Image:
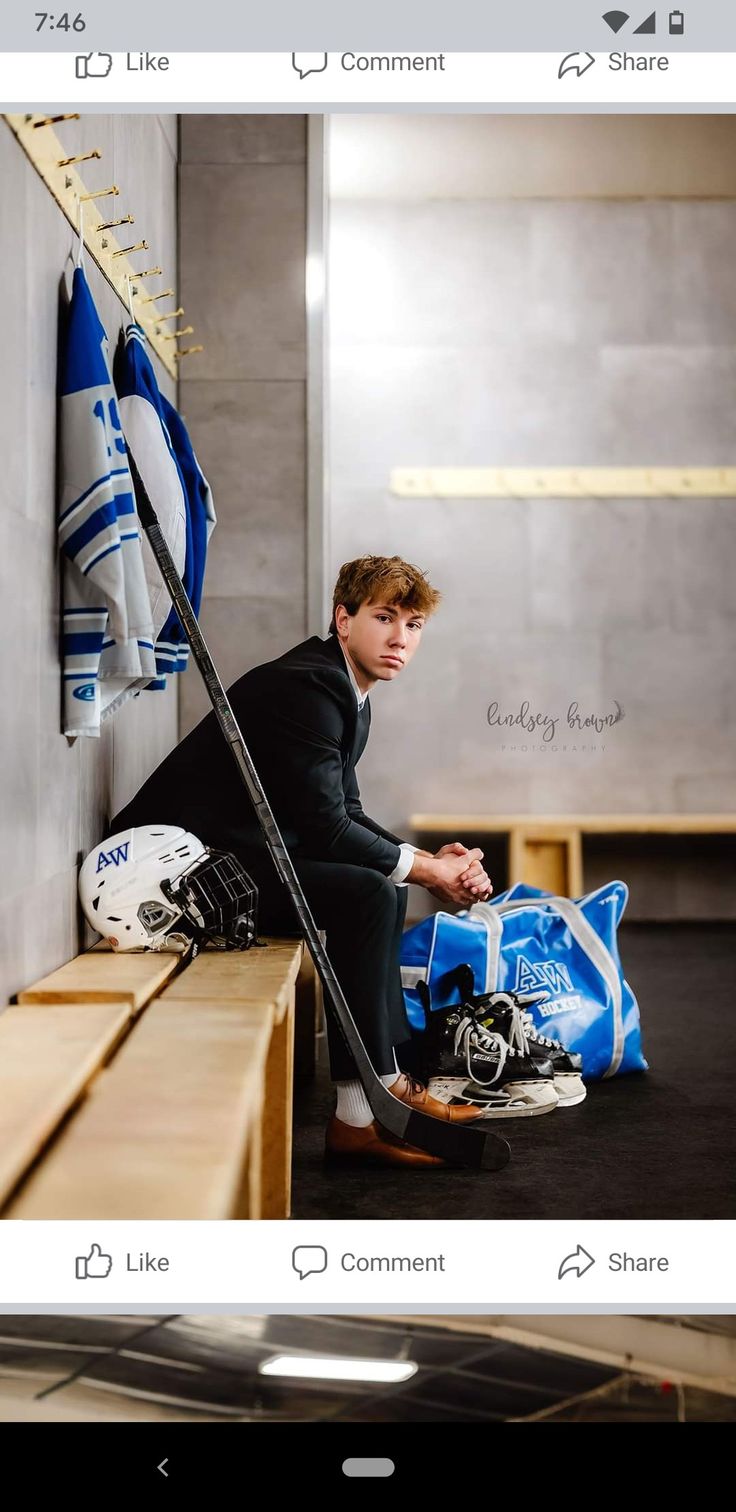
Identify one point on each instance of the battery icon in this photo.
(677, 23)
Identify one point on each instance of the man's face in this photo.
(380, 639)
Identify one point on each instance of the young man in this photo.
(305, 718)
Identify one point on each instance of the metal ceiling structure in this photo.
(164, 1368)
(685, 1350)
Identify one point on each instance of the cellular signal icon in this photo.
(616, 19)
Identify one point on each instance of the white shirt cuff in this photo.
(403, 865)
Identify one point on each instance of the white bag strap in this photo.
(490, 916)
(410, 975)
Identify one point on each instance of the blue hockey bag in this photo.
(529, 941)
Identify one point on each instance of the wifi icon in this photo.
(615, 19)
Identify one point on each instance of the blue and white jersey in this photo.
(201, 521)
(142, 416)
(107, 634)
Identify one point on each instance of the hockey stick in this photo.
(461, 1145)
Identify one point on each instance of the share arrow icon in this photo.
(579, 1262)
(577, 62)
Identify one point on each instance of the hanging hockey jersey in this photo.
(146, 432)
(107, 632)
(201, 521)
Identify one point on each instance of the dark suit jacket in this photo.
(300, 721)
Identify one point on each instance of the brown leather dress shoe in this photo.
(417, 1096)
(373, 1145)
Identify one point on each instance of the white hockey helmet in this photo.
(157, 887)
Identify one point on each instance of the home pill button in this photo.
(361, 1467)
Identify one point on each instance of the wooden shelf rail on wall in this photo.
(546, 850)
(55, 162)
(563, 482)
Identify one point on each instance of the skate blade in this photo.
(522, 1100)
(570, 1089)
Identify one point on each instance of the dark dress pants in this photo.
(363, 916)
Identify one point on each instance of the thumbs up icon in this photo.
(94, 1266)
(92, 65)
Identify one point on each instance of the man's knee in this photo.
(367, 888)
(343, 890)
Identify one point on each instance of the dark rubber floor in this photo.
(660, 1144)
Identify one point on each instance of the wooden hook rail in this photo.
(55, 164)
(563, 482)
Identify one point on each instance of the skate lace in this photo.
(517, 1040)
(470, 1036)
(533, 1033)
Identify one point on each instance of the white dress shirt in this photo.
(406, 859)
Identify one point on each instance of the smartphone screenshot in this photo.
(369, 753)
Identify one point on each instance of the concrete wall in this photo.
(58, 794)
(243, 244)
(471, 327)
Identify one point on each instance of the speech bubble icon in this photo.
(309, 1260)
(308, 63)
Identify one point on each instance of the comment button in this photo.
(309, 1260)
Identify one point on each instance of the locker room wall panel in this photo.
(243, 243)
(254, 438)
(14, 274)
(19, 730)
(56, 796)
(242, 231)
(558, 332)
(38, 925)
(243, 139)
(170, 127)
(241, 633)
(674, 400)
(151, 196)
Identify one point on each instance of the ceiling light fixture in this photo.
(336, 1368)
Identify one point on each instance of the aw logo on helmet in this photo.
(531, 975)
(112, 857)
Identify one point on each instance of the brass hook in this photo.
(170, 315)
(187, 351)
(73, 115)
(141, 246)
(145, 273)
(125, 220)
(99, 193)
(165, 294)
(173, 335)
(81, 157)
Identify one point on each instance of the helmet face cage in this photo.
(218, 901)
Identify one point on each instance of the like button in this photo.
(94, 1266)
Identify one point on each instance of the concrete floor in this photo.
(660, 1144)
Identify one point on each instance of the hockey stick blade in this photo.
(459, 1145)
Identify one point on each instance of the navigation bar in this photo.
(316, 81)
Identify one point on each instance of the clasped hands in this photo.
(454, 875)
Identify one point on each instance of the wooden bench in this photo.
(129, 1089)
(547, 851)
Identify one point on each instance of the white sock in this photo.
(353, 1106)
